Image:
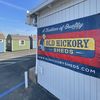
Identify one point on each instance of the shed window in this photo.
(1, 40)
(21, 42)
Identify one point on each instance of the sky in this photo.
(13, 16)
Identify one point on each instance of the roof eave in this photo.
(32, 14)
(40, 7)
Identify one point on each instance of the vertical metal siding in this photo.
(98, 6)
(64, 83)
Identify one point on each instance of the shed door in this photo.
(9, 45)
(1, 46)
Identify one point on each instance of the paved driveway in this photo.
(12, 73)
(9, 55)
(12, 81)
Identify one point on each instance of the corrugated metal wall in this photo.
(62, 82)
(75, 10)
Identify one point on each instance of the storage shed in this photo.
(33, 42)
(17, 42)
(68, 61)
(2, 43)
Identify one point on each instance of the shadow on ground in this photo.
(12, 74)
(34, 92)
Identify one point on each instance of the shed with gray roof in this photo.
(17, 42)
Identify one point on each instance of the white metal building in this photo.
(81, 81)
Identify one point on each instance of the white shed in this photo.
(68, 60)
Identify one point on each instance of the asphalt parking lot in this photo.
(12, 81)
(16, 54)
